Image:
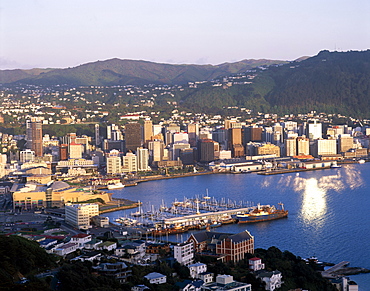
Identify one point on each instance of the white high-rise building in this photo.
(26, 156)
(142, 159)
(114, 163)
(79, 215)
(184, 253)
(325, 147)
(314, 130)
(129, 163)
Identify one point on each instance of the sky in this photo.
(61, 34)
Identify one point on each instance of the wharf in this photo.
(194, 220)
(284, 171)
(330, 273)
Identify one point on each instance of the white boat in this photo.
(115, 186)
(335, 166)
(361, 161)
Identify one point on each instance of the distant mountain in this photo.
(123, 72)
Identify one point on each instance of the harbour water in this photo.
(329, 210)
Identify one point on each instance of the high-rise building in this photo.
(63, 152)
(267, 149)
(156, 151)
(235, 142)
(34, 135)
(303, 146)
(133, 136)
(252, 134)
(314, 130)
(325, 147)
(345, 143)
(97, 134)
(142, 159)
(113, 161)
(193, 132)
(206, 150)
(129, 163)
(148, 131)
(75, 150)
(290, 147)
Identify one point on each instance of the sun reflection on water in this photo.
(314, 205)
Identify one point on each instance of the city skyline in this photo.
(59, 35)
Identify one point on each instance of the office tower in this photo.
(142, 159)
(193, 132)
(113, 161)
(129, 163)
(133, 136)
(63, 152)
(278, 136)
(75, 150)
(220, 135)
(156, 151)
(79, 215)
(325, 147)
(303, 146)
(235, 142)
(176, 148)
(97, 134)
(345, 143)
(148, 131)
(252, 134)
(206, 150)
(34, 135)
(314, 130)
(291, 147)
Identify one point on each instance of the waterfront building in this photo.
(266, 149)
(345, 143)
(324, 147)
(129, 163)
(290, 147)
(303, 145)
(133, 136)
(184, 253)
(226, 282)
(79, 215)
(229, 247)
(113, 161)
(206, 150)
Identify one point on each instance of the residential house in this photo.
(81, 239)
(118, 270)
(107, 245)
(255, 264)
(196, 269)
(188, 285)
(272, 279)
(156, 278)
(66, 249)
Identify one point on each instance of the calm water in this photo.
(328, 209)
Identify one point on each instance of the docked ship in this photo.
(262, 213)
(115, 186)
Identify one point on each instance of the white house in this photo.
(272, 279)
(255, 264)
(156, 278)
(66, 249)
(81, 239)
(196, 269)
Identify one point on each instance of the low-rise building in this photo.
(156, 278)
(79, 215)
(272, 279)
(255, 264)
(196, 269)
(226, 282)
(184, 253)
(118, 270)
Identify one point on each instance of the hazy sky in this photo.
(66, 33)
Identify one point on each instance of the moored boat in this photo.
(262, 213)
(115, 186)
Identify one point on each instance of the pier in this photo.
(199, 219)
(330, 273)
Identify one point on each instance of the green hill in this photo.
(123, 72)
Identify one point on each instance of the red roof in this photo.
(81, 235)
(255, 259)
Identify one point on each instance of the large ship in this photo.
(262, 213)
